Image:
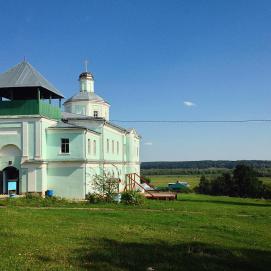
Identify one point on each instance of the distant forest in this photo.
(263, 167)
(205, 164)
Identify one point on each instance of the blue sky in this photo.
(149, 58)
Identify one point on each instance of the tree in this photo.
(246, 182)
(204, 186)
(223, 185)
(105, 186)
(243, 183)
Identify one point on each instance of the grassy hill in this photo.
(194, 233)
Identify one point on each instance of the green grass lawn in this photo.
(196, 232)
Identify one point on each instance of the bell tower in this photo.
(25, 92)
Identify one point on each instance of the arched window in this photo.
(10, 150)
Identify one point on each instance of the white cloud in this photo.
(189, 103)
(148, 143)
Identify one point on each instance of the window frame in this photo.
(95, 114)
(65, 145)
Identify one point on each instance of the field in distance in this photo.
(193, 180)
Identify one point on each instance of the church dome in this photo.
(85, 96)
(86, 75)
(86, 102)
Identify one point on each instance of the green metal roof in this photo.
(22, 82)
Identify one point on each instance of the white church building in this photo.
(43, 148)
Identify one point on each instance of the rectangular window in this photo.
(95, 114)
(137, 152)
(89, 146)
(118, 147)
(112, 146)
(94, 147)
(107, 145)
(65, 145)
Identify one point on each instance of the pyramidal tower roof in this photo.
(24, 80)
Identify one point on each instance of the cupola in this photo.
(86, 102)
(86, 80)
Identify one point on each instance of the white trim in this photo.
(65, 130)
(22, 118)
(67, 164)
(114, 130)
(33, 165)
(10, 125)
(25, 139)
(37, 140)
(8, 132)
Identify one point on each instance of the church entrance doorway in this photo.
(9, 181)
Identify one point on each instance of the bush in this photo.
(32, 195)
(35, 199)
(132, 198)
(94, 198)
(55, 200)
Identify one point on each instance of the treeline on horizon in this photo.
(262, 167)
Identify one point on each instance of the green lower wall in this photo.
(29, 107)
(66, 182)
